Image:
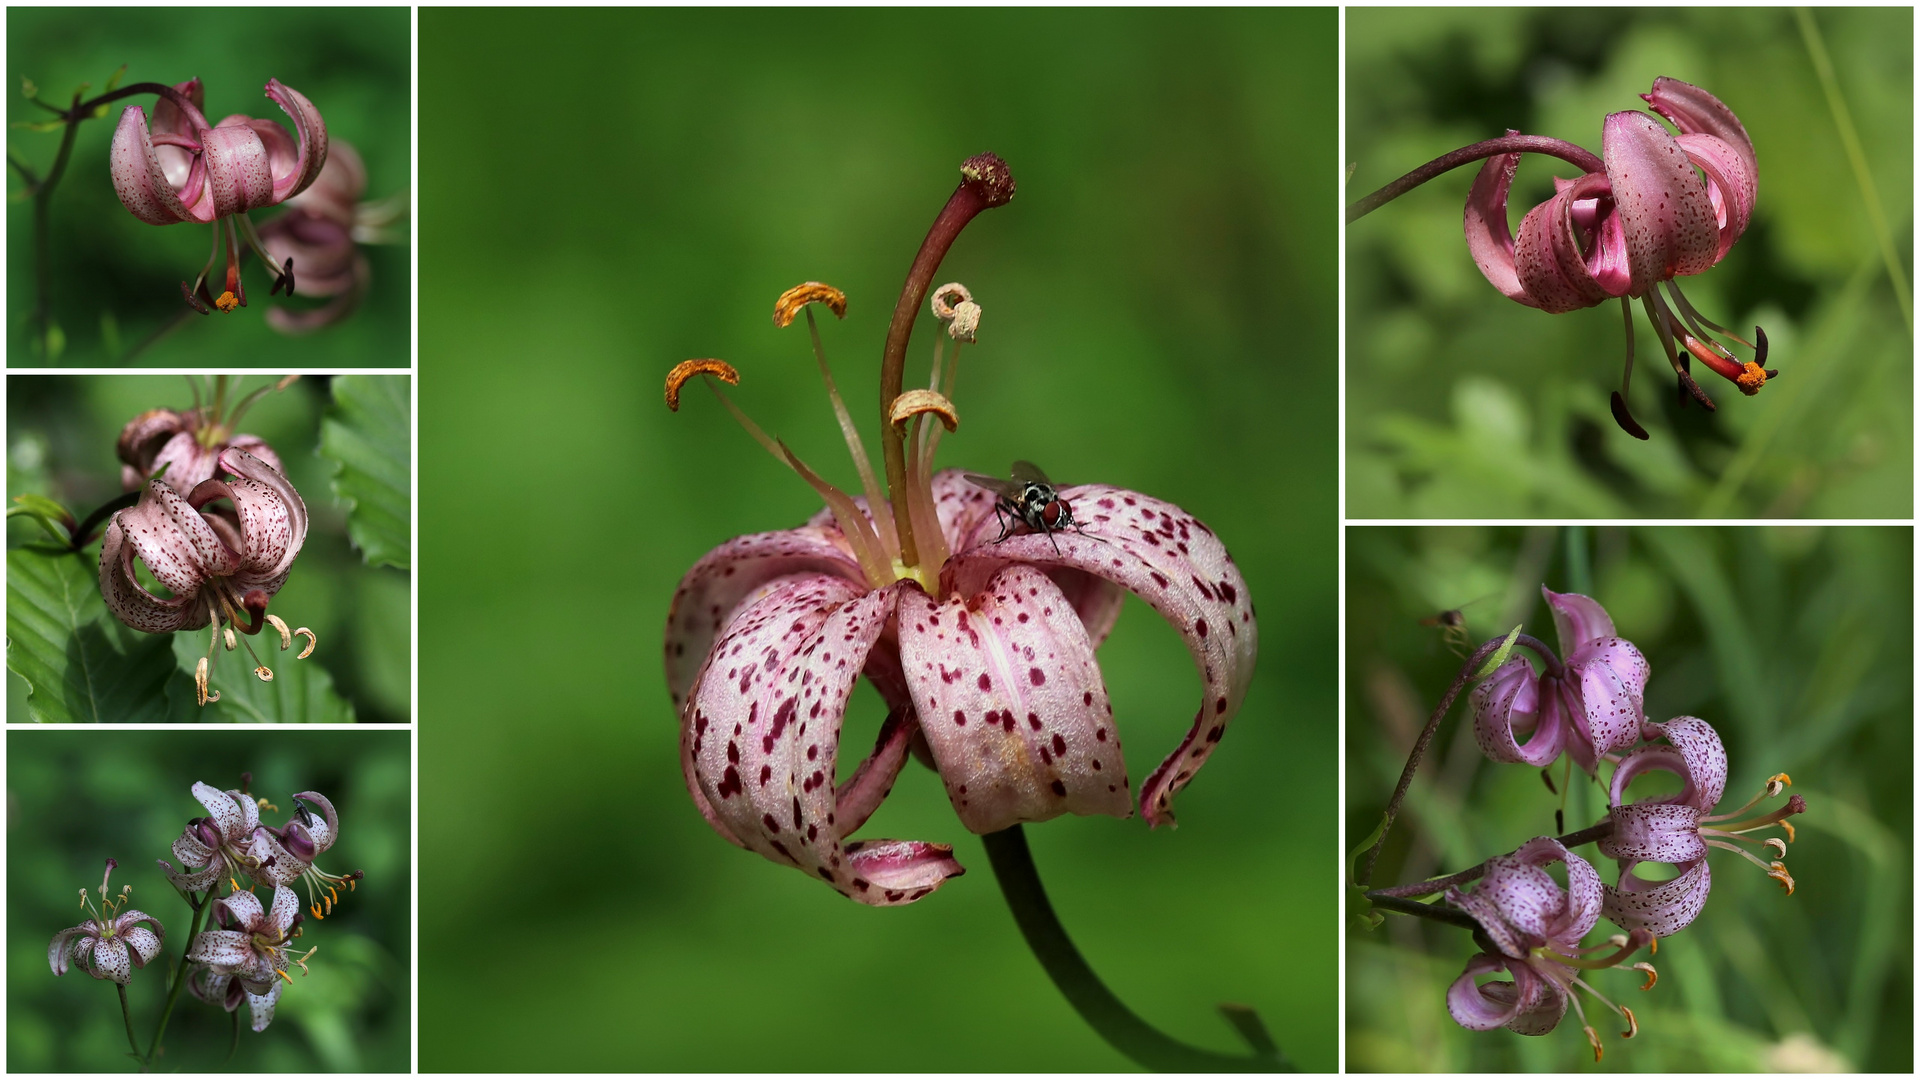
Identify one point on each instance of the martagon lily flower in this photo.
(182, 446)
(111, 943)
(253, 949)
(222, 564)
(983, 651)
(1678, 829)
(1534, 928)
(1589, 704)
(185, 169)
(321, 232)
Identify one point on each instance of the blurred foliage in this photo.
(1462, 403)
(1161, 281)
(115, 278)
(1797, 645)
(61, 434)
(77, 798)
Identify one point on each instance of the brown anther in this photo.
(1779, 874)
(200, 683)
(1593, 1038)
(1689, 387)
(687, 369)
(1652, 975)
(1778, 845)
(286, 636)
(264, 673)
(914, 402)
(794, 300)
(1752, 378)
(312, 640)
(227, 302)
(948, 297)
(194, 301)
(1633, 1026)
(227, 635)
(965, 327)
(1625, 419)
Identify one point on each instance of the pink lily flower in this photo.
(1625, 230)
(322, 231)
(185, 169)
(187, 444)
(982, 648)
(1588, 705)
(1678, 829)
(252, 948)
(222, 564)
(1535, 928)
(111, 943)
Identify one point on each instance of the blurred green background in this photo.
(1796, 644)
(1462, 403)
(61, 432)
(1162, 281)
(116, 279)
(77, 798)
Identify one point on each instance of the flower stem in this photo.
(1106, 1014)
(1433, 885)
(83, 533)
(180, 973)
(43, 235)
(1577, 156)
(985, 183)
(128, 1017)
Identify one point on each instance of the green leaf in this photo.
(28, 90)
(114, 79)
(301, 691)
(79, 663)
(1499, 655)
(366, 433)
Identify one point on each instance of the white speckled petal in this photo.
(1011, 702)
(61, 949)
(261, 1005)
(900, 871)
(243, 908)
(229, 949)
(144, 943)
(285, 908)
(196, 880)
(326, 827)
(227, 814)
(110, 961)
(1159, 553)
(1662, 907)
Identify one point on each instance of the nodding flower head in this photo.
(110, 943)
(1532, 928)
(1589, 703)
(321, 233)
(252, 947)
(181, 447)
(232, 843)
(1662, 206)
(1678, 829)
(221, 563)
(982, 645)
(184, 169)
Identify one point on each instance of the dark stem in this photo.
(180, 318)
(1106, 1014)
(200, 907)
(1437, 911)
(80, 111)
(985, 183)
(234, 1046)
(83, 533)
(128, 1017)
(1466, 155)
(43, 234)
(1433, 885)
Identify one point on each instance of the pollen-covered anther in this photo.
(286, 636)
(200, 691)
(227, 302)
(1776, 782)
(1778, 872)
(914, 402)
(965, 326)
(687, 369)
(1633, 1026)
(794, 300)
(1593, 1039)
(947, 299)
(227, 635)
(1652, 975)
(1777, 845)
(264, 673)
(312, 642)
(1752, 378)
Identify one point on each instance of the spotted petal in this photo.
(1506, 705)
(1731, 165)
(1530, 1004)
(272, 518)
(1655, 832)
(1612, 676)
(61, 949)
(1662, 907)
(1671, 227)
(1011, 702)
(323, 829)
(260, 1006)
(1159, 553)
(1693, 753)
(761, 735)
(1489, 237)
(144, 943)
(140, 179)
(195, 880)
(1577, 620)
(228, 814)
(110, 961)
(173, 541)
(1552, 255)
(228, 949)
(296, 163)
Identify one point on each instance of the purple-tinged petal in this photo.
(284, 910)
(1577, 620)
(311, 147)
(722, 581)
(1485, 911)
(1694, 111)
(229, 949)
(1507, 704)
(275, 865)
(1011, 702)
(1694, 754)
(1655, 832)
(64, 944)
(1611, 698)
(190, 851)
(1662, 907)
(1549, 256)
(1729, 187)
(225, 811)
(857, 799)
(242, 908)
(144, 943)
(1542, 1002)
(1583, 894)
(1525, 895)
(273, 517)
(899, 871)
(238, 174)
(326, 828)
(1530, 1004)
(110, 961)
(1489, 237)
(138, 177)
(1670, 224)
(1171, 560)
(261, 1005)
(194, 881)
(130, 601)
(170, 119)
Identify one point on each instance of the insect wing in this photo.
(1026, 472)
(1006, 489)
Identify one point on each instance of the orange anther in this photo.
(687, 369)
(788, 307)
(1652, 975)
(1633, 1026)
(227, 302)
(914, 402)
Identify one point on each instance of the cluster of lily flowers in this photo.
(247, 952)
(1589, 706)
(216, 524)
(179, 168)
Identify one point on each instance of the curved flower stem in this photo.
(1106, 1014)
(1420, 745)
(1402, 893)
(43, 233)
(1579, 157)
(200, 907)
(128, 1017)
(985, 183)
(83, 533)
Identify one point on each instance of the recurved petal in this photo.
(241, 909)
(279, 515)
(224, 811)
(1662, 907)
(311, 144)
(110, 961)
(175, 542)
(861, 794)
(229, 949)
(1548, 257)
(1730, 187)
(326, 827)
(276, 865)
(129, 601)
(1163, 555)
(1655, 832)
(238, 173)
(261, 1005)
(714, 590)
(138, 177)
(1611, 702)
(1525, 895)
(194, 881)
(1506, 705)
(1693, 110)
(1011, 702)
(1489, 237)
(61, 949)
(1529, 1004)
(1669, 220)
(1479, 905)
(1704, 757)
(1577, 620)
(144, 943)
(285, 908)
(899, 871)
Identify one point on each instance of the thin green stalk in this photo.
(1123, 1029)
(128, 1017)
(200, 908)
(1857, 158)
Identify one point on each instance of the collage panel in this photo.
(263, 873)
(209, 193)
(1559, 356)
(1698, 734)
(1130, 318)
(209, 549)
